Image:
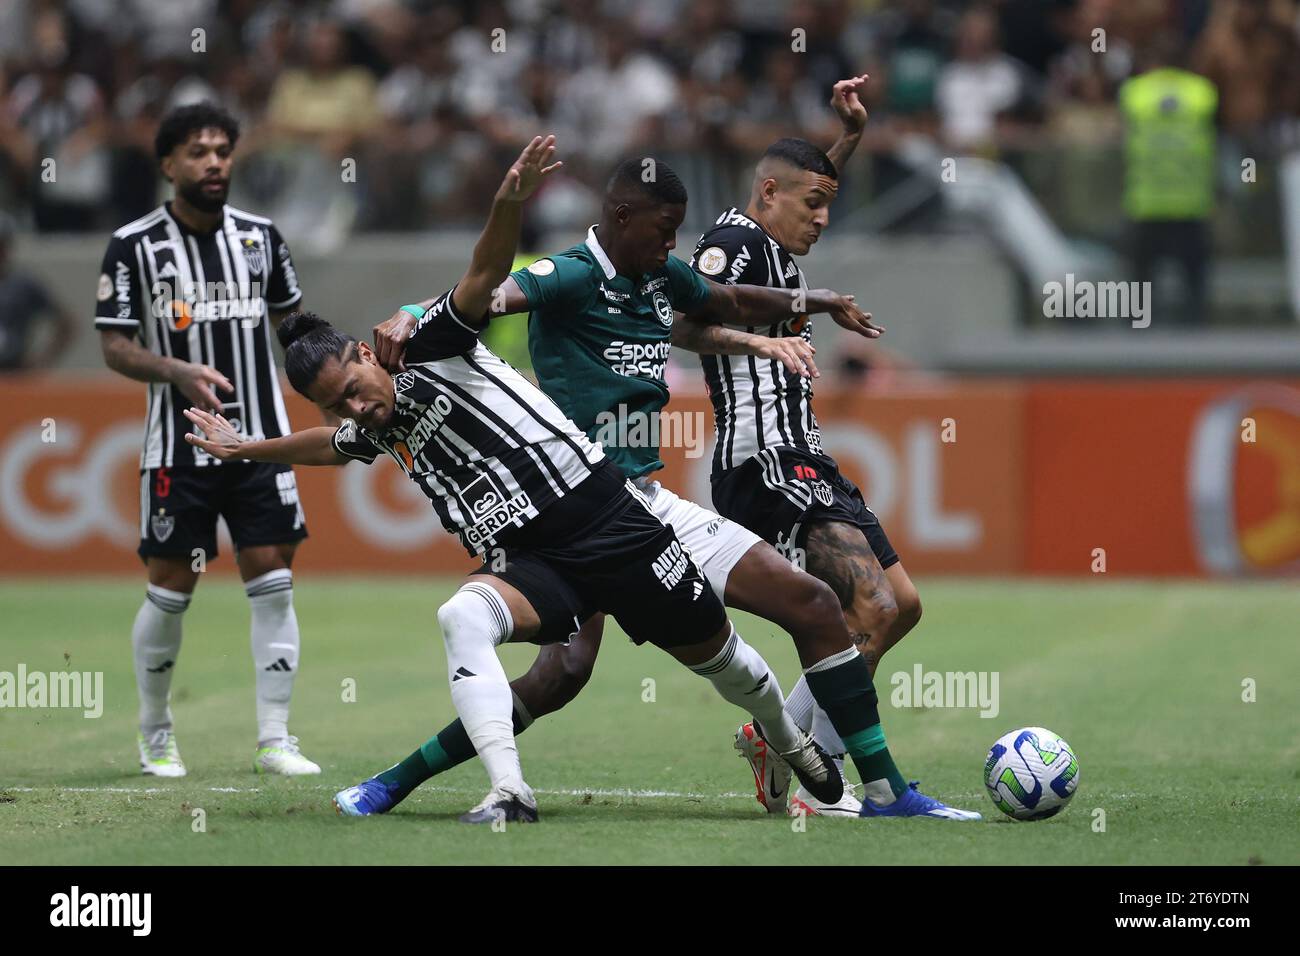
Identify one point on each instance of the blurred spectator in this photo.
(55, 133)
(978, 87)
(613, 104)
(1169, 174)
(325, 102)
(1254, 61)
(24, 304)
(783, 102)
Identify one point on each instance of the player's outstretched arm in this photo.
(312, 446)
(707, 338)
(760, 305)
(485, 287)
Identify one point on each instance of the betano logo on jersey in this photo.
(1244, 482)
(638, 359)
(189, 302)
(428, 425)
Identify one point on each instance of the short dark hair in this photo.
(802, 154)
(308, 342)
(663, 187)
(180, 122)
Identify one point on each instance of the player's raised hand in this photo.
(794, 353)
(220, 440)
(390, 340)
(533, 165)
(848, 105)
(847, 315)
(197, 383)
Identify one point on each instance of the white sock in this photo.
(743, 678)
(155, 645)
(824, 732)
(799, 705)
(474, 621)
(274, 639)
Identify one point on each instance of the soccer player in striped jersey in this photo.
(770, 472)
(186, 301)
(601, 322)
(562, 532)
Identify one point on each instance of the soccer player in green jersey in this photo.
(601, 323)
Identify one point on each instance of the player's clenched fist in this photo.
(390, 339)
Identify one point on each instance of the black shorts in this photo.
(779, 492)
(259, 501)
(630, 565)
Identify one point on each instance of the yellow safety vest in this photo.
(1169, 147)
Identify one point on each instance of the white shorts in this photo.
(716, 544)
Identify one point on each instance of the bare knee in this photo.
(814, 608)
(546, 689)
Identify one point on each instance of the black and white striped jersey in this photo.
(201, 298)
(757, 403)
(486, 445)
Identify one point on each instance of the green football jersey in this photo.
(599, 342)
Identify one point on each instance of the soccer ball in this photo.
(1031, 773)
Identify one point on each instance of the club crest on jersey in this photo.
(663, 309)
(712, 261)
(822, 492)
(255, 256)
(403, 380)
(162, 524)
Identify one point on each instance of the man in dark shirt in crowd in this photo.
(24, 303)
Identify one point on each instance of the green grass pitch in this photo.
(1143, 679)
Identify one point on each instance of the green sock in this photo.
(449, 748)
(842, 686)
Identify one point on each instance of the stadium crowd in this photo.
(425, 98)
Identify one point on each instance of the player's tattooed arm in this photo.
(849, 108)
(125, 355)
(312, 446)
(708, 338)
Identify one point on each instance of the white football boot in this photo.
(803, 802)
(283, 757)
(159, 755)
(771, 773)
(504, 806)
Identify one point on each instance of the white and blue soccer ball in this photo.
(1031, 773)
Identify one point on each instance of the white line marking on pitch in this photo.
(645, 794)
